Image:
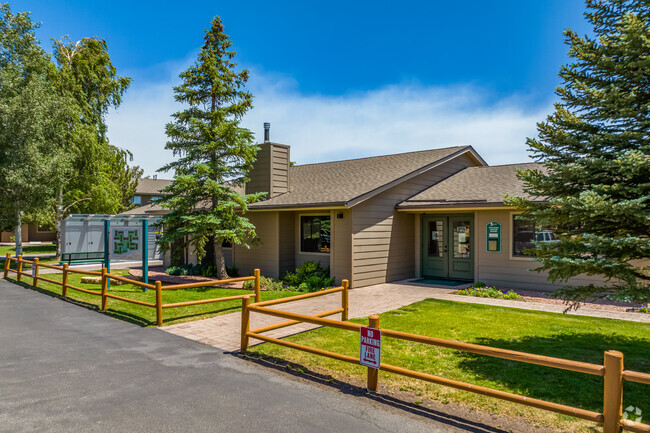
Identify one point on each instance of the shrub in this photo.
(310, 277)
(209, 271)
(479, 285)
(265, 284)
(489, 292)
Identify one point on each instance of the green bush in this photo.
(208, 271)
(265, 284)
(310, 277)
(489, 292)
(479, 285)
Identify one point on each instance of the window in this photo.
(136, 199)
(315, 234)
(156, 198)
(525, 232)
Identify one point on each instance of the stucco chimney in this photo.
(270, 172)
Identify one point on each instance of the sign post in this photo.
(145, 252)
(371, 351)
(107, 255)
(493, 237)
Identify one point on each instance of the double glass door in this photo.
(447, 248)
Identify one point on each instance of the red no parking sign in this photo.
(370, 347)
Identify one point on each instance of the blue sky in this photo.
(340, 80)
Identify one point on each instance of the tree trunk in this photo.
(222, 273)
(58, 217)
(18, 235)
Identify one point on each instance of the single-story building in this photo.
(432, 214)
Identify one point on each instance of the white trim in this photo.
(369, 195)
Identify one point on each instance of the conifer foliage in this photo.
(215, 154)
(596, 153)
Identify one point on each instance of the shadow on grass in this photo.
(127, 317)
(123, 315)
(297, 370)
(561, 386)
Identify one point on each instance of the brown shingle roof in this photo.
(151, 186)
(340, 182)
(479, 186)
(147, 209)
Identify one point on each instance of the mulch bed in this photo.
(157, 273)
(596, 304)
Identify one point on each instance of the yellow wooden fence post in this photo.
(35, 272)
(64, 285)
(19, 268)
(7, 264)
(258, 296)
(345, 300)
(159, 316)
(104, 289)
(613, 398)
(245, 323)
(373, 373)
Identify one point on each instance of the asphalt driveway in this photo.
(64, 368)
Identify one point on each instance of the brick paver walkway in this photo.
(224, 331)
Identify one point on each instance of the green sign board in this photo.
(493, 237)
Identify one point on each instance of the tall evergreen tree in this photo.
(596, 153)
(215, 154)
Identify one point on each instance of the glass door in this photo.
(447, 246)
(434, 247)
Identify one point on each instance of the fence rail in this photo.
(105, 295)
(612, 370)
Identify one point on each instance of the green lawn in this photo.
(29, 250)
(146, 316)
(570, 337)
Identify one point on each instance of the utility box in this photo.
(85, 234)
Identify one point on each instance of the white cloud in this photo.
(393, 119)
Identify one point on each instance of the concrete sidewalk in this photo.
(224, 331)
(68, 369)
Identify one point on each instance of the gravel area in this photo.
(597, 304)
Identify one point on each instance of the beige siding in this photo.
(270, 172)
(280, 170)
(260, 175)
(503, 270)
(287, 245)
(383, 240)
(341, 255)
(264, 254)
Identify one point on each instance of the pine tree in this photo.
(596, 153)
(215, 154)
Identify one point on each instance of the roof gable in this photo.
(473, 186)
(348, 182)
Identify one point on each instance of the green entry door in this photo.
(447, 246)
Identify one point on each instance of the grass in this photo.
(29, 250)
(146, 316)
(569, 337)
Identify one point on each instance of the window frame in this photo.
(299, 237)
